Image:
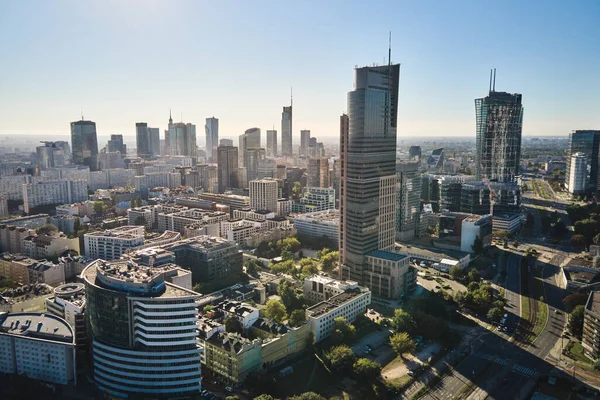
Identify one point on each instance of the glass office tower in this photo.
(84, 143)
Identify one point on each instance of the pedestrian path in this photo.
(523, 370)
(497, 360)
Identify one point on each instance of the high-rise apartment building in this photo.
(227, 167)
(53, 192)
(318, 172)
(577, 173)
(271, 143)
(84, 143)
(52, 154)
(212, 136)
(142, 329)
(408, 199)
(305, 142)
(286, 131)
(499, 118)
(115, 144)
(263, 194)
(182, 139)
(368, 168)
(588, 143)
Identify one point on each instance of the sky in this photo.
(124, 61)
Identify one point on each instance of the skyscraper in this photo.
(212, 136)
(248, 140)
(52, 154)
(368, 169)
(263, 194)
(154, 140)
(499, 118)
(588, 143)
(142, 140)
(305, 142)
(318, 172)
(227, 167)
(182, 139)
(286, 131)
(84, 143)
(408, 199)
(115, 144)
(272, 143)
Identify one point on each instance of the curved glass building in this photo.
(143, 331)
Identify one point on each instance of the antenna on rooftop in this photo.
(81, 112)
(390, 50)
(494, 79)
(490, 91)
(291, 96)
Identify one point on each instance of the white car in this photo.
(229, 389)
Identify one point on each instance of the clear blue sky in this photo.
(125, 61)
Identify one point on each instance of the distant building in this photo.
(415, 153)
(227, 159)
(53, 192)
(318, 224)
(408, 199)
(212, 136)
(84, 143)
(3, 205)
(314, 199)
(53, 154)
(318, 172)
(286, 132)
(436, 159)
(112, 244)
(591, 325)
(264, 194)
(182, 139)
(116, 145)
(304, 142)
(38, 346)
(272, 143)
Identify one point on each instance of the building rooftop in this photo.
(334, 302)
(324, 216)
(387, 255)
(593, 303)
(36, 325)
(123, 232)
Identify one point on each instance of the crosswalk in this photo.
(497, 360)
(523, 370)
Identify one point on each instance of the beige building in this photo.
(388, 274)
(43, 246)
(264, 194)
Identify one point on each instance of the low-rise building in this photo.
(319, 288)
(231, 357)
(26, 298)
(49, 245)
(318, 224)
(347, 305)
(112, 244)
(68, 303)
(314, 199)
(510, 222)
(244, 313)
(389, 274)
(39, 346)
(46, 272)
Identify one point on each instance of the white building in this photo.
(246, 314)
(319, 288)
(156, 179)
(577, 177)
(263, 194)
(53, 192)
(238, 230)
(12, 186)
(284, 207)
(315, 199)
(43, 246)
(112, 244)
(68, 303)
(473, 227)
(39, 346)
(3, 205)
(389, 274)
(318, 224)
(256, 215)
(348, 305)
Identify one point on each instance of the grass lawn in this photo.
(542, 318)
(525, 307)
(315, 378)
(577, 353)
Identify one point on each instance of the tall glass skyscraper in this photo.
(182, 139)
(588, 143)
(499, 125)
(212, 136)
(84, 143)
(286, 131)
(368, 168)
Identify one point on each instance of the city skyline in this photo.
(536, 55)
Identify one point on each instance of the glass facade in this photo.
(588, 143)
(499, 119)
(84, 143)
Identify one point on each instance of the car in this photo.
(372, 312)
(437, 286)
(229, 389)
(368, 347)
(411, 373)
(505, 316)
(505, 329)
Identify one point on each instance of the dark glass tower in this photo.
(227, 166)
(368, 168)
(588, 143)
(84, 143)
(499, 124)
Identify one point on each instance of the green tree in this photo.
(478, 247)
(597, 365)
(265, 397)
(474, 275)
(287, 255)
(48, 229)
(297, 318)
(576, 321)
(341, 358)
(366, 370)
(578, 241)
(251, 266)
(275, 310)
(402, 343)
(457, 273)
(99, 207)
(208, 308)
(232, 398)
(343, 332)
(284, 267)
(308, 396)
(403, 321)
(330, 261)
(232, 324)
(296, 190)
(495, 314)
(575, 299)
(289, 297)
(309, 267)
(76, 226)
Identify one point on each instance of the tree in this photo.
(76, 226)
(403, 321)
(575, 299)
(275, 310)
(140, 221)
(287, 255)
(309, 267)
(47, 229)
(474, 275)
(251, 266)
(232, 324)
(296, 190)
(208, 308)
(457, 273)
(576, 321)
(578, 241)
(477, 246)
(297, 318)
(341, 358)
(495, 314)
(100, 207)
(308, 396)
(366, 370)
(265, 397)
(284, 267)
(232, 398)
(330, 260)
(402, 343)
(288, 295)
(343, 332)
(597, 239)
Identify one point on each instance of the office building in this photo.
(286, 132)
(107, 161)
(272, 143)
(314, 199)
(151, 180)
(414, 153)
(3, 205)
(225, 142)
(368, 171)
(212, 137)
(319, 288)
(389, 275)
(115, 144)
(591, 325)
(435, 161)
(408, 199)
(182, 139)
(68, 303)
(112, 244)
(304, 142)
(318, 225)
(577, 174)
(348, 305)
(499, 119)
(38, 346)
(136, 350)
(84, 143)
(248, 140)
(318, 172)
(252, 160)
(473, 227)
(147, 141)
(53, 192)
(264, 194)
(588, 143)
(233, 201)
(52, 154)
(227, 162)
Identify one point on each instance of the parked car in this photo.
(411, 373)
(229, 389)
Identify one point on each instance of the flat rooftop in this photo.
(334, 302)
(37, 325)
(593, 303)
(387, 255)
